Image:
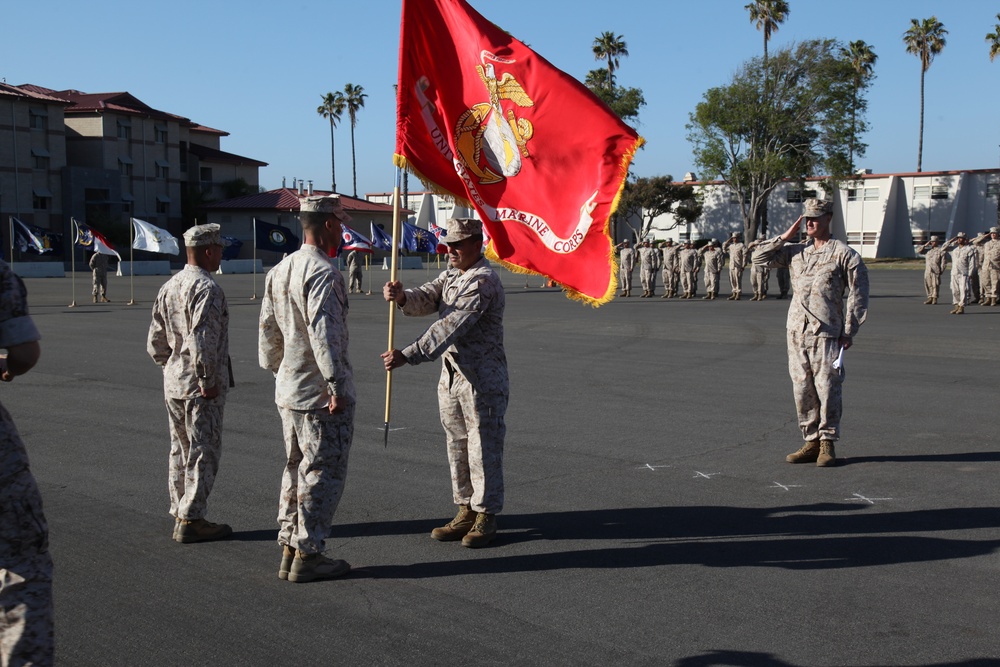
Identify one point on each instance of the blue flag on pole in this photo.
(29, 237)
(418, 239)
(380, 239)
(274, 237)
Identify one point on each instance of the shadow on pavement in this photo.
(805, 537)
(963, 457)
(751, 659)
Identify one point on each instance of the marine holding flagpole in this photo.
(469, 301)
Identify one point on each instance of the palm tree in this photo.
(924, 39)
(610, 47)
(994, 39)
(862, 59)
(768, 15)
(332, 108)
(354, 98)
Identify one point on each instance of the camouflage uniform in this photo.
(189, 337)
(988, 253)
(99, 266)
(714, 260)
(670, 271)
(936, 261)
(760, 274)
(626, 262)
(977, 277)
(473, 389)
(784, 282)
(26, 636)
(963, 266)
(687, 260)
(992, 261)
(816, 322)
(737, 264)
(354, 271)
(303, 341)
(649, 262)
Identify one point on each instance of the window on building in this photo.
(127, 204)
(184, 157)
(39, 158)
(921, 191)
(862, 194)
(162, 169)
(41, 200)
(125, 166)
(992, 189)
(799, 196)
(939, 192)
(39, 119)
(124, 130)
(206, 174)
(160, 134)
(162, 204)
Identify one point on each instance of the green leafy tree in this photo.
(625, 102)
(610, 47)
(331, 109)
(649, 198)
(354, 98)
(789, 121)
(768, 15)
(924, 39)
(994, 40)
(862, 59)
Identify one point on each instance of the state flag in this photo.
(274, 237)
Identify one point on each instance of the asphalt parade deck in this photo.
(650, 518)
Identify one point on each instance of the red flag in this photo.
(485, 119)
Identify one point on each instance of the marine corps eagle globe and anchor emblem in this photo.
(491, 139)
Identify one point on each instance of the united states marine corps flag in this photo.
(483, 118)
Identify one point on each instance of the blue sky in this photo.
(257, 69)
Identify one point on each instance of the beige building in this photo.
(879, 215)
(103, 158)
(32, 158)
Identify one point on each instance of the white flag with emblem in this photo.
(153, 239)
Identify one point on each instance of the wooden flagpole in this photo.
(393, 273)
(254, 260)
(131, 262)
(72, 258)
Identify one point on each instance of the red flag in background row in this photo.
(482, 117)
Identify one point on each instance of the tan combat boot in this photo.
(929, 301)
(199, 530)
(807, 454)
(993, 301)
(287, 556)
(934, 301)
(482, 533)
(960, 310)
(310, 567)
(459, 526)
(95, 298)
(826, 457)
